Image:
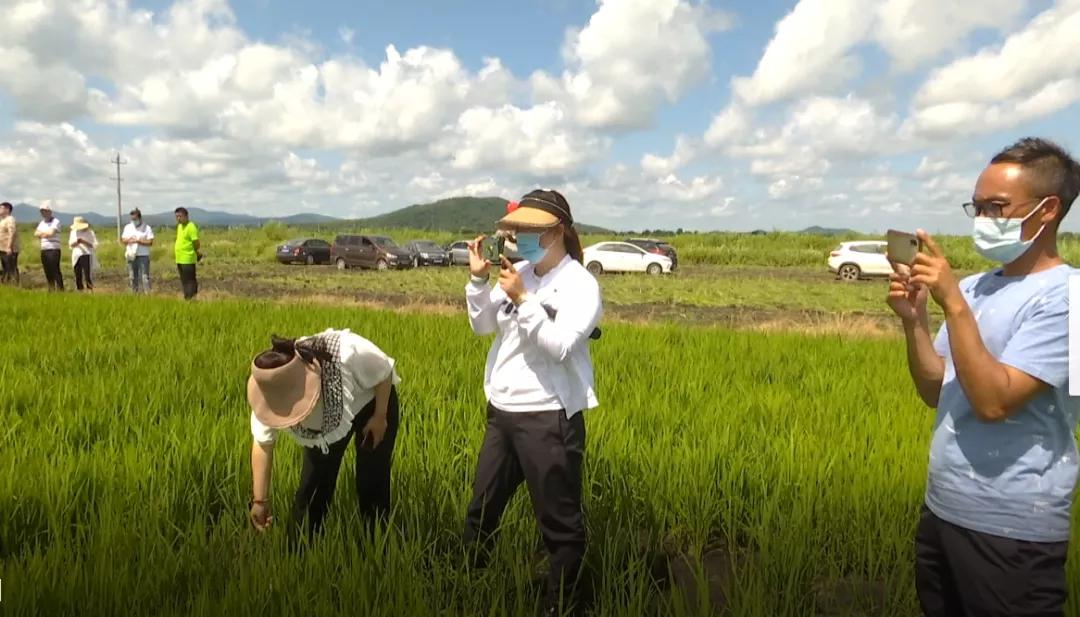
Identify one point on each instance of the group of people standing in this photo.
(994, 528)
(137, 239)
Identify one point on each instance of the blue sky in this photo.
(865, 114)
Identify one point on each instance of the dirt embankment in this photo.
(214, 286)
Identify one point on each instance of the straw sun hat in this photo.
(79, 224)
(284, 396)
(539, 209)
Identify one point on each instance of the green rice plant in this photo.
(124, 470)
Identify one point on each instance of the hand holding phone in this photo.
(493, 249)
(902, 246)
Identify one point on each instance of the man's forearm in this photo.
(982, 377)
(927, 368)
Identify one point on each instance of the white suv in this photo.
(854, 260)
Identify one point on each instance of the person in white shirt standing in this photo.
(538, 381)
(9, 246)
(137, 239)
(83, 243)
(48, 233)
(324, 390)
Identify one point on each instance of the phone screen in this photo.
(493, 248)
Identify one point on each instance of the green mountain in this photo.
(827, 231)
(457, 214)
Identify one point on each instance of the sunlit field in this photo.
(784, 470)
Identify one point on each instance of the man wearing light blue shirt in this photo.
(994, 530)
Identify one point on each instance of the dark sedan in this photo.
(658, 247)
(304, 250)
(427, 253)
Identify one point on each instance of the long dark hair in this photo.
(283, 350)
(573, 243)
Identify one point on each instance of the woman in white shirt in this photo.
(538, 381)
(323, 390)
(83, 242)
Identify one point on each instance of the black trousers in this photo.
(318, 477)
(545, 450)
(83, 277)
(9, 268)
(965, 573)
(188, 282)
(50, 264)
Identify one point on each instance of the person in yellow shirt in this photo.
(188, 253)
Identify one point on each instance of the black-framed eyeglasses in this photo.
(991, 209)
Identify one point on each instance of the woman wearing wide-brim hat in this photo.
(324, 390)
(83, 242)
(538, 381)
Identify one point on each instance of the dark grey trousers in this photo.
(965, 573)
(545, 450)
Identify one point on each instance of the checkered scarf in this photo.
(331, 392)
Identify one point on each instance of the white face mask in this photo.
(999, 239)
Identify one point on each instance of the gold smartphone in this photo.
(902, 246)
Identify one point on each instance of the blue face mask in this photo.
(528, 247)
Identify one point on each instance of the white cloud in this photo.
(814, 49)
(810, 52)
(698, 189)
(632, 57)
(915, 31)
(731, 124)
(1034, 73)
(538, 141)
(685, 152)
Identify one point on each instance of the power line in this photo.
(118, 162)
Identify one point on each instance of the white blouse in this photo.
(363, 366)
(81, 249)
(539, 363)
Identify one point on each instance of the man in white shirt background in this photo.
(48, 232)
(9, 246)
(137, 239)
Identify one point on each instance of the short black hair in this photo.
(7, 205)
(1051, 169)
(181, 210)
(136, 212)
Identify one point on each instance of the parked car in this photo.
(658, 247)
(362, 251)
(304, 250)
(852, 261)
(624, 257)
(459, 253)
(427, 253)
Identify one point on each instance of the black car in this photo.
(657, 246)
(304, 250)
(427, 253)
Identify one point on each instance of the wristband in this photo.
(479, 281)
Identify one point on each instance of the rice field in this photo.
(124, 472)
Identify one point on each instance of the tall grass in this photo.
(124, 468)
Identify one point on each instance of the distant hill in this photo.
(457, 214)
(25, 213)
(827, 231)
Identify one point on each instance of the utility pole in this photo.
(119, 214)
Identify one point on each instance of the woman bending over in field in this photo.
(538, 380)
(323, 390)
